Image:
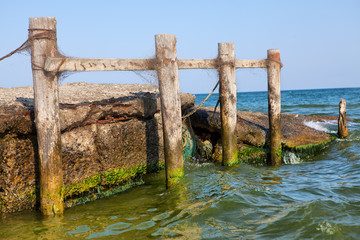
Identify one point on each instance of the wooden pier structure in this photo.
(47, 63)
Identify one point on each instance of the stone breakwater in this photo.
(253, 134)
(112, 134)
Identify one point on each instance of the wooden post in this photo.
(274, 101)
(42, 32)
(227, 94)
(342, 128)
(167, 71)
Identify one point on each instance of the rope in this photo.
(273, 60)
(217, 104)
(16, 50)
(45, 33)
(199, 106)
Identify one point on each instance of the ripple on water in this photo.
(310, 200)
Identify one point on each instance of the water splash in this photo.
(328, 228)
(326, 126)
(291, 158)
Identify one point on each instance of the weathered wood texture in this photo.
(342, 127)
(88, 64)
(228, 102)
(167, 71)
(251, 63)
(42, 32)
(274, 101)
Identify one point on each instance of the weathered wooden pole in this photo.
(274, 101)
(342, 127)
(42, 33)
(227, 94)
(167, 71)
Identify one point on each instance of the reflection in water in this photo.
(48, 226)
(269, 177)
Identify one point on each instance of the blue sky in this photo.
(319, 40)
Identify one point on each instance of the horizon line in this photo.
(304, 89)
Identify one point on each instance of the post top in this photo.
(162, 36)
(273, 54)
(226, 44)
(273, 50)
(226, 51)
(48, 23)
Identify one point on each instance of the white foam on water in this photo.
(353, 124)
(322, 126)
(291, 158)
(328, 228)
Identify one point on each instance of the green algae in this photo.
(253, 155)
(234, 159)
(174, 176)
(100, 185)
(98, 193)
(109, 179)
(309, 148)
(258, 156)
(278, 153)
(118, 176)
(308, 151)
(86, 185)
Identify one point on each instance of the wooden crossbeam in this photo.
(96, 64)
(263, 63)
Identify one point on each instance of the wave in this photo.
(326, 126)
(309, 106)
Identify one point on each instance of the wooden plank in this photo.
(89, 64)
(167, 71)
(251, 63)
(42, 32)
(96, 64)
(342, 127)
(197, 63)
(228, 111)
(274, 101)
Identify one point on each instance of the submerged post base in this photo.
(174, 176)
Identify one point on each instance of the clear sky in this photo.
(319, 40)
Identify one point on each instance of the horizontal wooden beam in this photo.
(251, 63)
(213, 63)
(197, 63)
(96, 64)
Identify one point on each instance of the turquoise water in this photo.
(320, 101)
(318, 199)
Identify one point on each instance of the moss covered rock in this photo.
(253, 132)
(111, 136)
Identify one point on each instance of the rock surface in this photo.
(106, 128)
(83, 103)
(112, 132)
(253, 128)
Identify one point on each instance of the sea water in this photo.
(317, 199)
